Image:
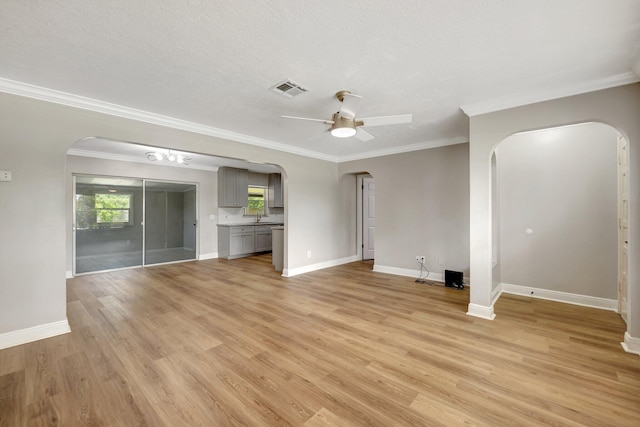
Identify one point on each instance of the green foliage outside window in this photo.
(257, 197)
(102, 210)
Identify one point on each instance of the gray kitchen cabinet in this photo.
(263, 238)
(248, 243)
(276, 196)
(236, 242)
(232, 187)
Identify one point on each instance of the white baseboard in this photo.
(436, 277)
(481, 311)
(290, 272)
(631, 344)
(34, 333)
(210, 255)
(577, 299)
(69, 274)
(495, 294)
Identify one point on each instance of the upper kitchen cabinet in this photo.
(232, 187)
(276, 198)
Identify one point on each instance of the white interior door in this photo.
(368, 218)
(623, 225)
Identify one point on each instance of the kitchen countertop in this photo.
(251, 224)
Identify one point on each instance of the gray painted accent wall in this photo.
(422, 207)
(562, 184)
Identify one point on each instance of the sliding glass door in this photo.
(108, 223)
(170, 221)
(127, 222)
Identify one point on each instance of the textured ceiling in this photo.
(212, 63)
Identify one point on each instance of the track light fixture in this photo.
(169, 156)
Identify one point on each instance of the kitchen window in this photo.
(257, 200)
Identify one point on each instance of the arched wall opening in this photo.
(618, 107)
(94, 156)
(38, 135)
(554, 214)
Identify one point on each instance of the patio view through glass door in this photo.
(108, 223)
(170, 222)
(128, 222)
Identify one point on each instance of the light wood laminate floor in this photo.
(223, 343)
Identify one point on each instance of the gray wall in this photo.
(561, 183)
(422, 207)
(35, 207)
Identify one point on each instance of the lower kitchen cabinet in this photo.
(235, 242)
(263, 238)
(245, 240)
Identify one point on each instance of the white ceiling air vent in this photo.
(288, 88)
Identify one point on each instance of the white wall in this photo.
(562, 184)
(207, 193)
(34, 139)
(421, 208)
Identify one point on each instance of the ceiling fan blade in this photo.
(350, 104)
(386, 120)
(329, 122)
(363, 135)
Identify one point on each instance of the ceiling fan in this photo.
(344, 123)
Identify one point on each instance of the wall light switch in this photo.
(5, 176)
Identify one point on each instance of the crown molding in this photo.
(518, 100)
(63, 98)
(50, 95)
(405, 149)
(134, 159)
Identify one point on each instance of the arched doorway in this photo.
(555, 215)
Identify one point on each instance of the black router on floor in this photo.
(453, 279)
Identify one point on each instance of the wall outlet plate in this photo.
(5, 176)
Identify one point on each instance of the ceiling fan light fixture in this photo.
(342, 127)
(345, 122)
(343, 132)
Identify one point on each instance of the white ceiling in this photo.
(212, 62)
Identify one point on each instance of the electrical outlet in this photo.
(5, 176)
(420, 258)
